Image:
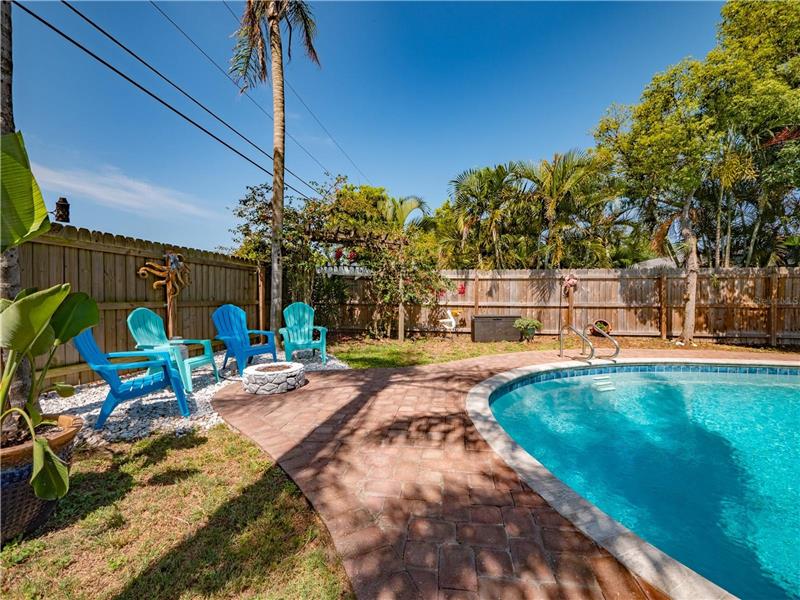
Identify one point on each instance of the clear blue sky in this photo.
(414, 92)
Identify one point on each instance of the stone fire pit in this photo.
(273, 378)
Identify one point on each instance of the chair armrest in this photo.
(323, 331)
(189, 342)
(158, 355)
(144, 364)
(269, 334)
(150, 346)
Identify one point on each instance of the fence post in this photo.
(401, 317)
(172, 305)
(773, 308)
(663, 306)
(262, 296)
(475, 291)
(570, 305)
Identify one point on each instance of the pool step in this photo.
(604, 386)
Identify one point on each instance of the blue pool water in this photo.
(703, 465)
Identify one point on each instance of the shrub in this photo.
(528, 327)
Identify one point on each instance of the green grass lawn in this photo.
(206, 515)
(364, 353)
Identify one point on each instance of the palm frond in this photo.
(299, 14)
(249, 62)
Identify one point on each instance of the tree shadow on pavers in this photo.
(456, 501)
(257, 535)
(470, 497)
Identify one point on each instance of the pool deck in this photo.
(417, 503)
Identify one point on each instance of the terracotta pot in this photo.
(22, 510)
(595, 331)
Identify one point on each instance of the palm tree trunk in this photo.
(9, 277)
(10, 284)
(690, 239)
(728, 234)
(717, 249)
(754, 236)
(279, 148)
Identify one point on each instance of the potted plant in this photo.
(600, 325)
(35, 449)
(527, 327)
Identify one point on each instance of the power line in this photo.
(230, 10)
(144, 89)
(177, 87)
(233, 81)
(308, 108)
(325, 129)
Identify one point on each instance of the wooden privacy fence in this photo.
(105, 267)
(750, 306)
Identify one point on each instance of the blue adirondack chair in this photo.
(231, 324)
(164, 374)
(299, 331)
(147, 328)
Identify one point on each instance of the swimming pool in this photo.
(701, 461)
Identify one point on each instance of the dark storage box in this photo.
(495, 328)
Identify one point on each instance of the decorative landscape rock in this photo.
(274, 378)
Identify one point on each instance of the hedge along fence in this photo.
(751, 306)
(105, 266)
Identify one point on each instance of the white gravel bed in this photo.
(158, 412)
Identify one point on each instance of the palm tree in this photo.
(10, 283)
(258, 35)
(733, 164)
(9, 264)
(397, 210)
(483, 201)
(560, 188)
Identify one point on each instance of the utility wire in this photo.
(233, 81)
(308, 108)
(230, 10)
(144, 89)
(177, 87)
(325, 129)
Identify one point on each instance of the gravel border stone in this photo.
(158, 412)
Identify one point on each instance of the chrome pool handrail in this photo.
(607, 336)
(585, 340)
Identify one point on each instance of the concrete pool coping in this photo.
(640, 557)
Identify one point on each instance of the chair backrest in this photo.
(90, 352)
(147, 328)
(299, 319)
(231, 321)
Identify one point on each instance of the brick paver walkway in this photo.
(417, 503)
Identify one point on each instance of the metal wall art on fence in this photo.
(173, 276)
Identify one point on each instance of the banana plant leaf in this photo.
(50, 477)
(77, 312)
(24, 214)
(24, 320)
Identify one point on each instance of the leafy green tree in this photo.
(662, 148)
